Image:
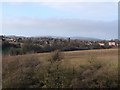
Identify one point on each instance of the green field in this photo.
(76, 69)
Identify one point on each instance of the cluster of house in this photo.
(10, 39)
(109, 43)
(47, 40)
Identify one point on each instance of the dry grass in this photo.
(74, 58)
(97, 65)
(73, 54)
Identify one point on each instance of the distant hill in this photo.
(60, 37)
(79, 38)
(86, 38)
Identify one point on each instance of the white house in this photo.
(111, 43)
(101, 44)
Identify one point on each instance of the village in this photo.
(50, 40)
(51, 44)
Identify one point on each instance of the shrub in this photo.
(96, 74)
(56, 56)
(20, 73)
(54, 75)
(29, 72)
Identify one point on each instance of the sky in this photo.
(63, 18)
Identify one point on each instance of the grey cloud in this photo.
(62, 27)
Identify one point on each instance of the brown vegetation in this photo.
(77, 69)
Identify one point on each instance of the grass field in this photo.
(78, 69)
(75, 58)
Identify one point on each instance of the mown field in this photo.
(73, 69)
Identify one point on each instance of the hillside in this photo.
(76, 69)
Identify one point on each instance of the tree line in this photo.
(47, 45)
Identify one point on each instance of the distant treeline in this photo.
(46, 45)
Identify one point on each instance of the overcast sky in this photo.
(79, 19)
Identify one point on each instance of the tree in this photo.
(54, 75)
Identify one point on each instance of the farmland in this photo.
(72, 69)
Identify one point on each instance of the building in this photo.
(101, 44)
(111, 43)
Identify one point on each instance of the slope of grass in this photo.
(77, 69)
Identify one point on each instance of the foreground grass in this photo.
(77, 69)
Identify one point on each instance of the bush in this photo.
(20, 73)
(15, 51)
(29, 72)
(54, 75)
(96, 74)
(56, 56)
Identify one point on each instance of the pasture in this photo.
(76, 69)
